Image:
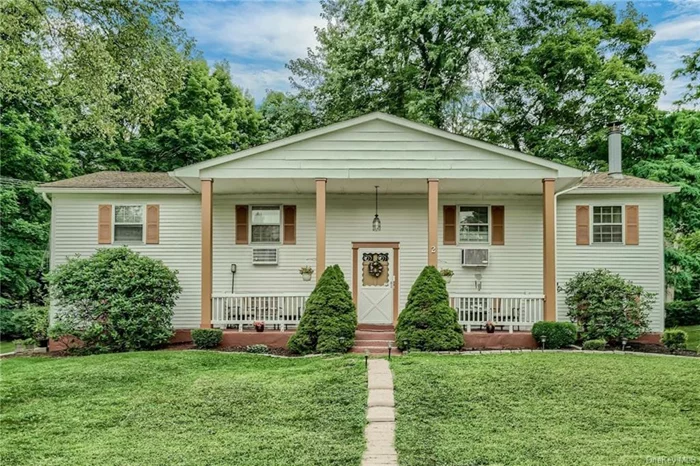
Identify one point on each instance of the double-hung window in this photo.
(473, 224)
(607, 224)
(265, 224)
(128, 223)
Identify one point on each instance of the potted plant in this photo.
(259, 326)
(306, 273)
(447, 275)
(490, 328)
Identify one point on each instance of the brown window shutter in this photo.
(104, 224)
(152, 224)
(583, 228)
(290, 224)
(241, 224)
(498, 226)
(632, 225)
(449, 224)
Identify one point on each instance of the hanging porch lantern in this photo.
(376, 223)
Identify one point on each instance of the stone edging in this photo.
(506, 351)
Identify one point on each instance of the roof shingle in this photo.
(604, 180)
(114, 179)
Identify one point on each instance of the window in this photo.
(473, 224)
(128, 223)
(607, 224)
(265, 224)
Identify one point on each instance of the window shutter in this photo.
(632, 225)
(241, 224)
(152, 224)
(498, 228)
(104, 224)
(583, 228)
(290, 224)
(449, 224)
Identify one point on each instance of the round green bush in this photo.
(329, 321)
(606, 306)
(681, 313)
(114, 300)
(594, 345)
(205, 338)
(257, 349)
(428, 323)
(557, 334)
(674, 339)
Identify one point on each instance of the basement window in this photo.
(607, 224)
(128, 223)
(265, 224)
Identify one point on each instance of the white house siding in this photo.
(642, 264)
(74, 231)
(514, 268)
(378, 149)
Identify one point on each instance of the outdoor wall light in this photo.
(376, 223)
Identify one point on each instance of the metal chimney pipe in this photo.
(615, 149)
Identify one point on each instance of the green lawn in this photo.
(6, 347)
(693, 337)
(545, 409)
(187, 407)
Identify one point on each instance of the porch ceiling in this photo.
(386, 186)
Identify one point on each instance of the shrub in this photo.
(594, 345)
(115, 300)
(9, 330)
(329, 320)
(257, 349)
(428, 323)
(680, 313)
(557, 334)
(606, 306)
(28, 322)
(205, 338)
(674, 339)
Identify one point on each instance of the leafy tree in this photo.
(691, 71)
(206, 118)
(428, 323)
(560, 71)
(406, 57)
(285, 115)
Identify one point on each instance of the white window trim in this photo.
(250, 224)
(474, 243)
(143, 223)
(592, 225)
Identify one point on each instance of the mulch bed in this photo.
(658, 349)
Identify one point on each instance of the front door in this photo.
(375, 303)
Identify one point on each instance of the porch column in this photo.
(549, 267)
(206, 274)
(320, 227)
(433, 222)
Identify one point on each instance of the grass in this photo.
(545, 409)
(6, 347)
(182, 408)
(693, 336)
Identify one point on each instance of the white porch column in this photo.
(320, 227)
(207, 252)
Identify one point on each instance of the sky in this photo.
(259, 37)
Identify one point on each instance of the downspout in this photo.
(46, 199)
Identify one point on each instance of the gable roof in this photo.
(604, 182)
(107, 180)
(194, 170)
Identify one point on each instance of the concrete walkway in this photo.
(379, 432)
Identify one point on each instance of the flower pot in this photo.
(260, 328)
(447, 278)
(490, 328)
(306, 277)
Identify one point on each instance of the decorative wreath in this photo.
(375, 268)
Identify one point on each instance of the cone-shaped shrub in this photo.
(329, 320)
(428, 323)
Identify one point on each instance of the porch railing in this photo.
(474, 310)
(279, 310)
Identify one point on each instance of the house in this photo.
(382, 197)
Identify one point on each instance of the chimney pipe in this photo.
(615, 149)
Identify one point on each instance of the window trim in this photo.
(458, 225)
(280, 207)
(592, 224)
(143, 223)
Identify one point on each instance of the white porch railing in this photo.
(503, 310)
(280, 309)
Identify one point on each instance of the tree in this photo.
(207, 117)
(560, 71)
(407, 57)
(691, 71)
(285, 115)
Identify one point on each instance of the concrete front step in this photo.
(374, 335)
(375, 328)
(375, 350)
(374, 343)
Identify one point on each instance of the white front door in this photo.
(375, 273)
